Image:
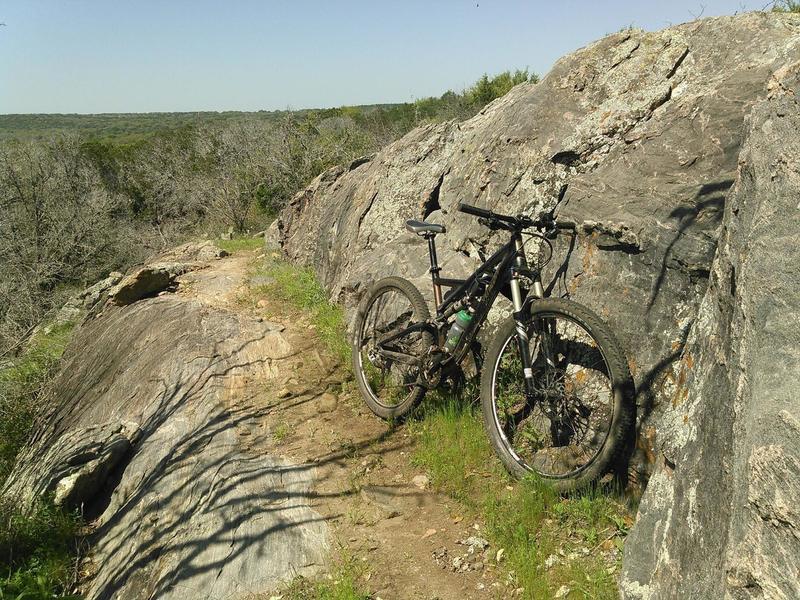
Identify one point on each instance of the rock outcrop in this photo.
(721, 515)
(157, 433)
(644, 129)
(647, 131)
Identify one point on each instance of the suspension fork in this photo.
(522, 318)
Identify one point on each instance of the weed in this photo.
(548, 541)
(37, 551)
(342, 584)
(22, 384)
(298, 288)
(36, 547)
(281, 431)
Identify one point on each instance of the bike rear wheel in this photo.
(389, 385)
(573, 428)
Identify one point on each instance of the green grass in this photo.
(37, 552)
(342, 584)
(299, 288)
(240, 244)
(37, 547)
(529, 521)
(21, 388)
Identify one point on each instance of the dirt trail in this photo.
(375, 502)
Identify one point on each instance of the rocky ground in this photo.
(215, 446)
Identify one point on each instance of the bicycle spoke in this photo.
(559, 429)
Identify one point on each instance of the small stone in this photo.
(562, 591)
(499, 556)
(262, 303)
(421, 481)
(550, 561)
(327, 403)
(428, 533)
(476, 543)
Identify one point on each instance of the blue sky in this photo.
(89, 56)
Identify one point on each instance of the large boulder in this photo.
(644, 129)
(155, 429)
(721, 515)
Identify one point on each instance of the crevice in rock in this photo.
(567, 158)
(661, 100)
(631, 249)
(432, 202)
(678, 63)
(361, 160)
(97, 506)
(366, 210)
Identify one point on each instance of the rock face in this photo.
(157, 432)
(644, 128)
(721, 515)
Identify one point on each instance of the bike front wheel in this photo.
(571, 428)
(388, 372)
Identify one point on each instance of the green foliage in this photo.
(786, 6)
(37, 551)
(299, 288)
(488, 89)
(529, 521)
(36, 547)
(454, 449)
(22, 385)
(342, 584)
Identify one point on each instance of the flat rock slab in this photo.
(158, 432)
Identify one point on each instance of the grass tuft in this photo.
(37, 551)
(342, 584)
(548, 541)
(22, 383)
(240, 244)
(298, 287)
(37, 547)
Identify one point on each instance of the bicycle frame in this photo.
(506, 266)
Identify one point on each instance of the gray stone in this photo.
(142, 283)
(143, 433)
(721, 515)
(95, 293)
(327, 402)
(645, 130)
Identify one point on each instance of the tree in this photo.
(57, 225)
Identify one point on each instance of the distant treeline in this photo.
(82, 195)
(133, 127)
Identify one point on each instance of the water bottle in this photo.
(457, 329)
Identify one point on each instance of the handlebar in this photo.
(545, 222)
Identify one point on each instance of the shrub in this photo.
(786, 6)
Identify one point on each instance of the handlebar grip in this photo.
(474, 210)
(571, 225)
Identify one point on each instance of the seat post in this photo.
(437, 289)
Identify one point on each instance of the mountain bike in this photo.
(555, 387)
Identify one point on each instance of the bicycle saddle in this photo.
(423, 228)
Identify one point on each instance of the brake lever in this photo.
(490, 223)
